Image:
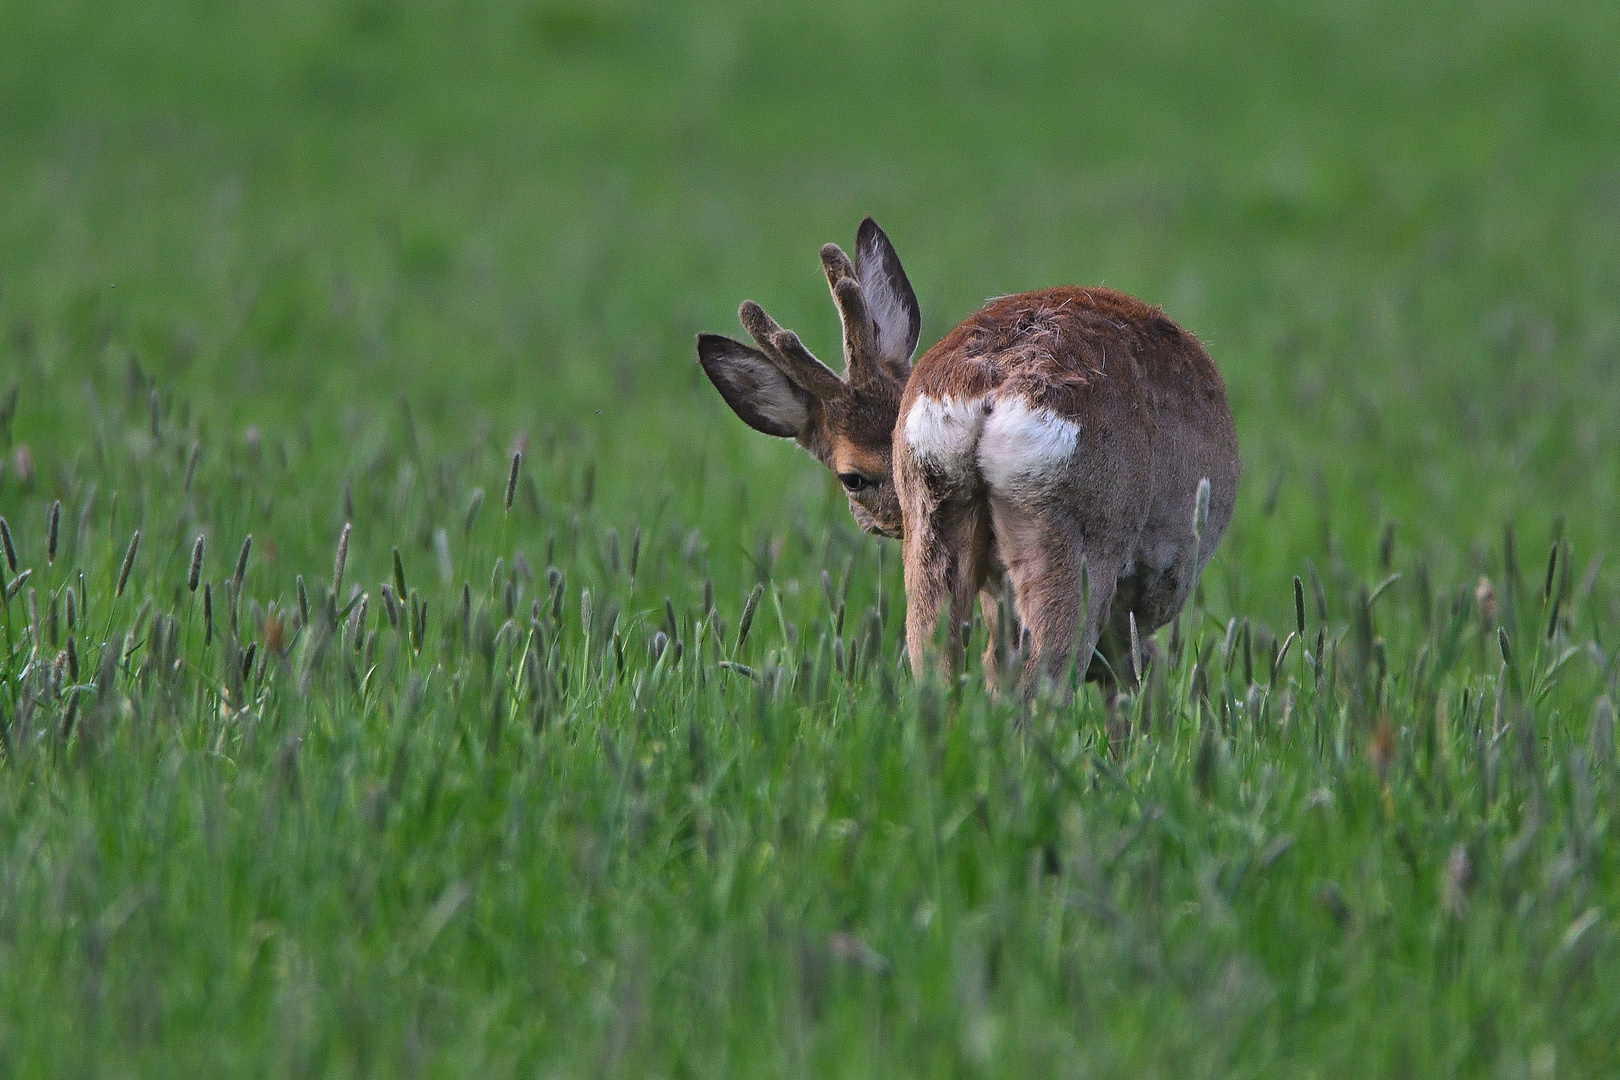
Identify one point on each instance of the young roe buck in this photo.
(1054, 441)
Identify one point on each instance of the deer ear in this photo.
(889, 299)
(764, 398)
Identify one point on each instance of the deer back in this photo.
(1036, 390)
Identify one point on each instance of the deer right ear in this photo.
(889, 299)
(764, 398)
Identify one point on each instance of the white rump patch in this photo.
(1023, 449)
(944, 432)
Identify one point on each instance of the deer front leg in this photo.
(990, 606)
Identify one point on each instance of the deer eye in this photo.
(854, 481)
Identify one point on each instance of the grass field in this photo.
(514, 792)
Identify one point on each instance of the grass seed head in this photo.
(52, 530)
(558, 582)
(418, 622)
(1136, 650)
(1299, 607)
(242, 562)
(475, 503)
(18, 582)
(1201, 509)
(399, 577)
(1318, 591)
(5, 542)
(342, 557)
(512, 479)
(746, 622)
(194, 574)
(208, 614)
(357, 620)
(389, 607)
(129, 564)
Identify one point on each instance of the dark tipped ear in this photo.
(756, 390)
(889, 299)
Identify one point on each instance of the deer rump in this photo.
(1056, 440)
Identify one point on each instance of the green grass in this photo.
(264, 271)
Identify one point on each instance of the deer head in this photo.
(846, 422)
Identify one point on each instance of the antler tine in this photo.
(860, 345)
(860, 336)
(836, 265)
(784, 348)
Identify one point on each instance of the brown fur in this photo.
(1153, 422)
(1107, 536)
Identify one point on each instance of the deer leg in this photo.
(945, 564)
(1062, 592)
(990, 607)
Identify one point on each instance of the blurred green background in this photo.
(1396, 226)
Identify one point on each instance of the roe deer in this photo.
(1055, 441)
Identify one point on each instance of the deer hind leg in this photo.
(1062, 590)
(946, 558)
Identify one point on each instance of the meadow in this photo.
(409, 666)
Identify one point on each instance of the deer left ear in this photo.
(757, 391)
(889, 299)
